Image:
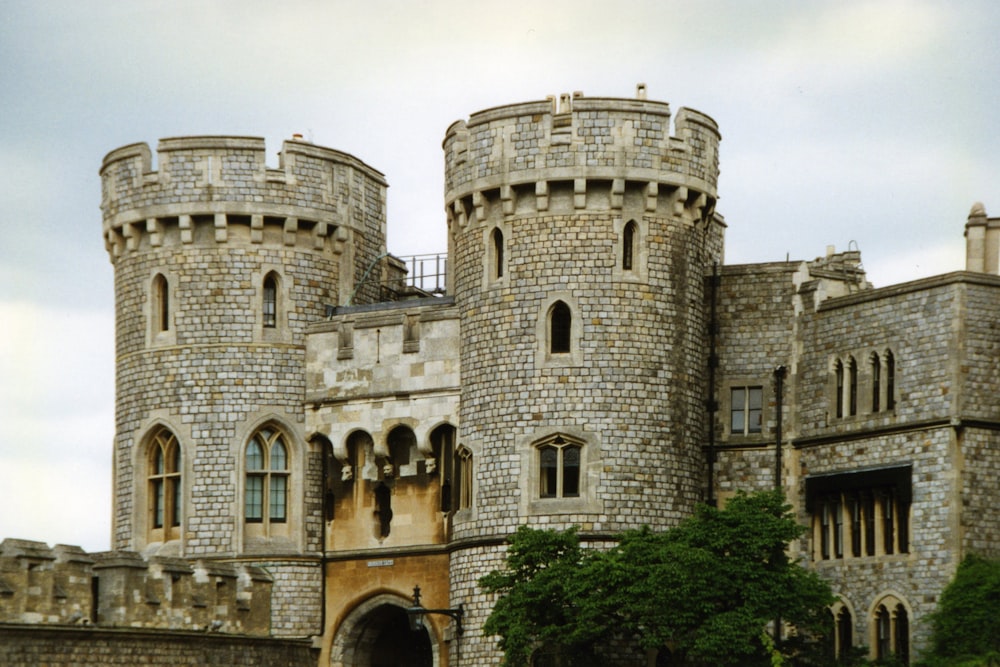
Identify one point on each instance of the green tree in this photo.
(706, 588)
(966, 624)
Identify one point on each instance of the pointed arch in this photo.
(560, 324)
(269, 300)
(628, 250)
(164, 479)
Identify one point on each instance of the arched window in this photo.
(165, 484)
(402, 442)
(876, 365)
(901, 630)
(839, 380)
(559, 468)
(269, 309)
(496, 258)
(463, 477)
(628, 246)
(845, 633)
(267, 470)
(883, 633)
(852, 388)
(560, 328)
(892, 631)
(890, 380)
(161, 304)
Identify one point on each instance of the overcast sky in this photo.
(874, 123)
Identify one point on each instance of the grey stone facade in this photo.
(593, 363)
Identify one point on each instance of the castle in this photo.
(308, 427)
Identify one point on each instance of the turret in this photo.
(581, 233)
(220, 262)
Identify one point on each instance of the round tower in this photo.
(581, 231)
(220, 262)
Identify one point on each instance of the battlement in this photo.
(64, 585)
(223, 180)
(577, 138)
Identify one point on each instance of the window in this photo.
(463, 477)
(628, 246)
(845, 633)
(876, 365)
(161, 304)
(892, 631)
(839, 378)
(266, 492)
(874, 504)
(560, 328)
(883, 633)
(890, 381)
(852, 386)
(270, 303)
(165, 485)
(559, 468)
(745, 410)
(496, 260)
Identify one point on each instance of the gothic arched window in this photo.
(267, 470)
(165, 485)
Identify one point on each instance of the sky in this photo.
(855, 124)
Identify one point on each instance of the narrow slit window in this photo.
(839, 380)
(270, 303)
(876, 383)
(628, 246)
(497, 238)
(161, 306)
(890, 381)
(560, 327)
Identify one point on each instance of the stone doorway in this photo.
(377, 634)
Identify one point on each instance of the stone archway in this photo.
(377, 634)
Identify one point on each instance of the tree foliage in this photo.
(707, 588)
(966, 624)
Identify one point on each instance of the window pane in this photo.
(255, 456)
(158, 464)
(548, 457)
(279, 460)
(255, 498)
(737, 402)
(158, 503)
(276, 511)
(175, 492)
(270, 301)
(571, 472)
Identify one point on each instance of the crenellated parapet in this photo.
(204, 186)
(64, 585)
(519, 151)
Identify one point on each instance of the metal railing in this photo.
(427, 273)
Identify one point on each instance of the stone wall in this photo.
(65, 586)
(30, 646)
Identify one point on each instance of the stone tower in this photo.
(581, 234)
(220, 262)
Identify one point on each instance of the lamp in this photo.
(417, 611)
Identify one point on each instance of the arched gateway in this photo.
(377, 634)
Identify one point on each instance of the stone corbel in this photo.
(652, 195)
(579, 193)
(221, 231)
(131, 237)
(340, 236)
(617, 193)
(542, 195)
(680, 199)
(256, 229)
(320, 231)
(155, 231)
(187, 232)
(291, 229)
(478, 206)
(507, 199)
